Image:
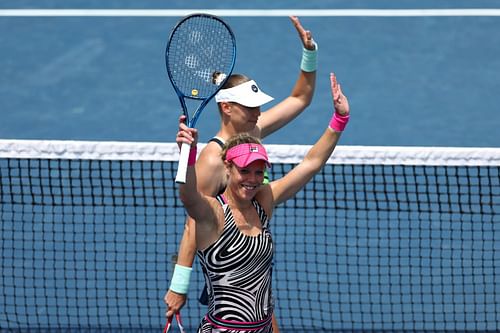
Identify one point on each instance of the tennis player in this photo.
(239, 104)
(233, 239)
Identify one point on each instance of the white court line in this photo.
(251, 12)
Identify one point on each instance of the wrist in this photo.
(192, 156)
(338, 122)
(309, 62)
(180, 279)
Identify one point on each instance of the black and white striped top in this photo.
(238, 273)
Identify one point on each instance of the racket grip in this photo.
(180, 178)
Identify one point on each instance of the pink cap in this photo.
(244, 154)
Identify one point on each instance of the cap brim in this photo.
(245, 160)
(256, 100)
(247, 94)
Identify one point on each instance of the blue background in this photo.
(422, 81)
(411, 81)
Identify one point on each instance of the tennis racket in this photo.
(179, 323)
(199, 46)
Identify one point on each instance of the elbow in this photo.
(307, 101)
(314, 165)
(307, 98)
(307, 92)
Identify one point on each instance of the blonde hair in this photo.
(233, 80)
(238, 139)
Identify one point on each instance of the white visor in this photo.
(247, 94)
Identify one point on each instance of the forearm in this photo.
(185, 259)
(303, 91)
(187, 247)
(189, 194)
(324, 147)
(300, 98)
(306, 83)
(319, 154)
(314, 160)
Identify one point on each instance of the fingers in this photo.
(334, 86)
(170, 312)
(340, 102)
(295, 21)
(186, 134)
(336, 93)
(305, 35)
(174, 303)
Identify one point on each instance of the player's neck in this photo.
(234, 202)
(226, 133)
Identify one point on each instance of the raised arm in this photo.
(204, 209)
(209, 181)
(286, 187)
(303, 91)
(210, 174)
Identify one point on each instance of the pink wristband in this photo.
(339, 122)
(192, 156)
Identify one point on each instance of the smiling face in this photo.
(245, 182)
(245, 160)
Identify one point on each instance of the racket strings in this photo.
(198, 48)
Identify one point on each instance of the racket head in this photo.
(199, 46)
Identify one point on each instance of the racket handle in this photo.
(167, 325)
(183, 163)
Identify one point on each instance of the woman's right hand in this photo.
(174, 302)
(186, 134)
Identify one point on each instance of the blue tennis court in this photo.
(413, 78)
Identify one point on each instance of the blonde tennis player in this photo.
(233, 238)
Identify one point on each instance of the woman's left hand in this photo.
(340, 102)
(305, 35)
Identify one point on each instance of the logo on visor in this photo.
(254, 88)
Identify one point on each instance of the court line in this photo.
(250, 12)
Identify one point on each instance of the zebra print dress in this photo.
(238, 270)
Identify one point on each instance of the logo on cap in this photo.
(254, 149)
(254, 88)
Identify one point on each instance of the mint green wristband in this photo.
(180, 279)
(309, 61)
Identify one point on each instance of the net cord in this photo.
(156, 151)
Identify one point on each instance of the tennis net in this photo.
(384, 238)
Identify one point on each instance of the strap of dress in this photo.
(217, 140)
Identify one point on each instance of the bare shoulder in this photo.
(210, 154)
